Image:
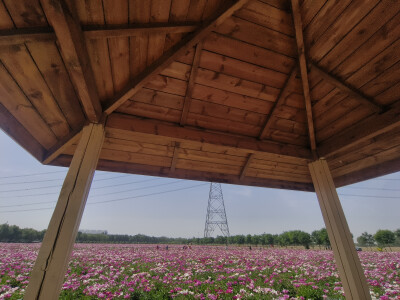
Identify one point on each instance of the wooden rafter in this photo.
(63, 18)
(284, 92)
(364, 99)
(246, 166)
(298, 26)
(179, 133)
(168, 57)
(190, 86)
(364, 130)
(58, 148)
(26, 35)
(175, 156)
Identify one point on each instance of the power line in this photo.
(60, 185)
(371, 188)
(371, 196)
(388, 179)
(47, 180)
(32, 174)
(113, 200)
(112, 193)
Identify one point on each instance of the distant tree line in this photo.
(382, 238)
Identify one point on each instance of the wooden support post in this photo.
(51, 264)
(349, 266)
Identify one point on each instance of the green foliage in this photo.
(320, 237)
(366, 239)
(384, 237)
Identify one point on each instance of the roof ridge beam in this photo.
(298, 26)
(347, 88)
(168, 57)
(62, 16)
(282, 95)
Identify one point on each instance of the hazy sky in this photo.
(182, 213)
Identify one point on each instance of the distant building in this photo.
(93, 231)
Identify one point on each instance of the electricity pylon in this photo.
(216, 215)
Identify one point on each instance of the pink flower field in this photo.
(99, 271)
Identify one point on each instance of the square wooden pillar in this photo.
(51, 264)
(349, 266)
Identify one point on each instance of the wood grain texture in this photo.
(19, 63)
(170, 56)
(20, 134)
(366, 129)
(16, 102)
(246, 166)
(190, 85)
(371, 103)
(106, 165)
(278, 102)
(304, 73)
(66, 25)
(130, 123)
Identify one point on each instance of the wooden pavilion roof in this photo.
(243, 92)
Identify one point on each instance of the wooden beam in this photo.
(190, 86)
(132, 168)
(178, 133)
(349, 266)
(351, 91)
(174, 157)
(58, 148)
(15, 130)
(51, 264)
(246, 166)
(168, 57)
(63, 18)
(371, 172)
(10, 37)
(363, 130)
(282, 95)
(98, 32)
(298, 26)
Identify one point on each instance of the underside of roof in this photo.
(243, 92)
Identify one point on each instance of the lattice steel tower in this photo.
(216, 215)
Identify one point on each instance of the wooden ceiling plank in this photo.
(175, 156)
(176, 132)
(190, 86)
(246, 166)
(366, 129)
(67, 28)
(303, 71)
(371, 172)
(351, 91)
(107, 165)
(284, 92)
(168, 57)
